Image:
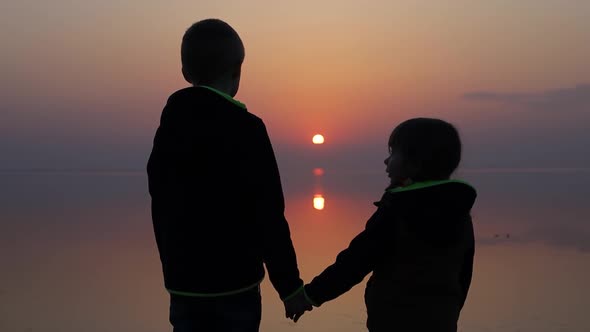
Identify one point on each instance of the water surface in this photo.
(78, 254)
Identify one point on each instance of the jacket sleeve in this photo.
(467, 270)
(352, 264)
(277, 247)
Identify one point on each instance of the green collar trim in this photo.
(425, 184)
(225, 95)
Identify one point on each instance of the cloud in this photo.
(575, 98)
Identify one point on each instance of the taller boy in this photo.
(217, 201)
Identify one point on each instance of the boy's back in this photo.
(424, 274)
(217, 203)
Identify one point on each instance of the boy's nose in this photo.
(386, 161)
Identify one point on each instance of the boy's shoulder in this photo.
(208, 101)
(453, 196)
(198, 95)
(188, 95)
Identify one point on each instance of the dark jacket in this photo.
(419, 244)
(217, 201)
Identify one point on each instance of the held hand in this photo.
(297, 306)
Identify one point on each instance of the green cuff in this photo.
(309, 299)
(287, 298)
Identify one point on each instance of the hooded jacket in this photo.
(419, 244)
(217, 202)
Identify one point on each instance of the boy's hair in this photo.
(210, 49)
(430, 148)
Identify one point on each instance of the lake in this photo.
(77, 251)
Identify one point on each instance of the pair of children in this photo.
(218, 212)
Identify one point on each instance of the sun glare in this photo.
(318, 139)
(318, 202)
(318, 171)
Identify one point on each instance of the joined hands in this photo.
(296, 306)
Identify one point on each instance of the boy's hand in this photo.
(297, 306)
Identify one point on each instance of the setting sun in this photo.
(318, 139)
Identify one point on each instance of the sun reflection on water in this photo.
(318, 202)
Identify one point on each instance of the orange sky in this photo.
(348, 69)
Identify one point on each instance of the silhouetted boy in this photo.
(217, 201)
(419, 244)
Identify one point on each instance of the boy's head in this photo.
(212, 53)
(423, 149)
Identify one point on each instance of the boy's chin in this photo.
(394, 183)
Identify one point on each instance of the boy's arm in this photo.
(278, 252)
(352, 264)
(467, 271)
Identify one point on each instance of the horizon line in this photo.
(133, 170)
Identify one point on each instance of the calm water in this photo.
(77, 251)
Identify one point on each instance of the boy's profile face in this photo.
(396, 168)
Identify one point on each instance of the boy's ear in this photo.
(237, 71)
(186, 75)
(412, 169)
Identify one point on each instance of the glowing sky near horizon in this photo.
(84, 82)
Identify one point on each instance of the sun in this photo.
(318, 139)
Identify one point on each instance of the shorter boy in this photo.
(419, 244)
